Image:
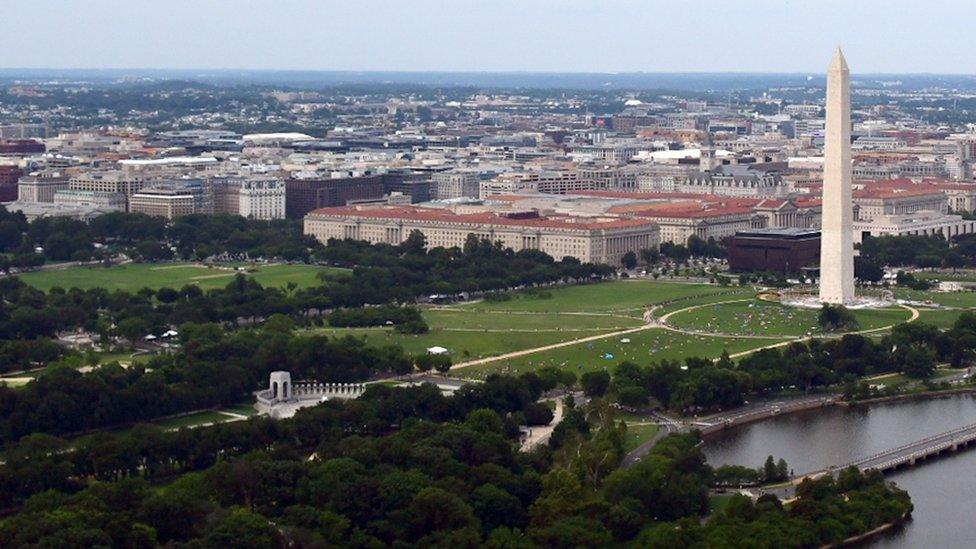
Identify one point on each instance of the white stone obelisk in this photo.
(837, 226)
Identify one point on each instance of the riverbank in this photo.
(935, 393)
(941, 489)
(870, 534)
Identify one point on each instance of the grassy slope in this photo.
(484, 329)
(135, 276)
(651, 344)
(763, 318)
(619, 295)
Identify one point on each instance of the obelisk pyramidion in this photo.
(836, 244)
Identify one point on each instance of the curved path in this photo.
(661, 322)
(541, 434)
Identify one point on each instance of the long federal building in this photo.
(598, 239)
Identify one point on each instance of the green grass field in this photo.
(465, 319)
(732, 294)
(193, 420)
(15, 382)
(461, 345)
(135, 276)
(895, 380)
(620, 296)
(486, 329)
(243, 410)
(643, 347)
(946, 299)
(960, 275)
(637, 434)
(756, 317)
(718, 502)
(940, 318)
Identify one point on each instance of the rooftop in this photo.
(415, 213)
(792, 233)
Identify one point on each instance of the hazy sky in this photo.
(492, 35)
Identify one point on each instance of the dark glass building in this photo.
(784, 250)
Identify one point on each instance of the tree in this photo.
(650, 256)
(279, 323)
(629, 260)
(867, 271)
(167, 295)
(953, 260)
(132, 329)
(415, 243)
(836, 318)
(595, 384)
(537, 413)
(427, 362)
(918, 362)
(696, 245)
(773, 471)
(153, 250)
(676, 252)
(244, 529)
(495, 507)
(10, 236)
(928, 261)
(433, 510)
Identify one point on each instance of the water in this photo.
(943, 490)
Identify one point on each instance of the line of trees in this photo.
(406, 319)
(699, 384)
(149, 238)
(920, 251)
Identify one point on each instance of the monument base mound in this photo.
(810, 301)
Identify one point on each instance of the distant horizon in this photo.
(507, 36)
(474, 71)
(635, 82)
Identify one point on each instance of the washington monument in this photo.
(836, 245)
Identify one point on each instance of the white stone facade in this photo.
(262, 199)
(836, 241)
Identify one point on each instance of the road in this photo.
(668, 426)
(762, 409)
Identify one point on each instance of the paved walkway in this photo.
(661, 322)
(559, 345)
(541, 433)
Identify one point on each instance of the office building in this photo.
(597, 239)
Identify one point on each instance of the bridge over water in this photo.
(909, 454)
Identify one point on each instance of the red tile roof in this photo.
(415, 213)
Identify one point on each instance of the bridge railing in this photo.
(969, 431)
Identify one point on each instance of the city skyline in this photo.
(575, 36)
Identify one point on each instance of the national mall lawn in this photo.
(561, 315)
(133, 277)
(703, 320)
